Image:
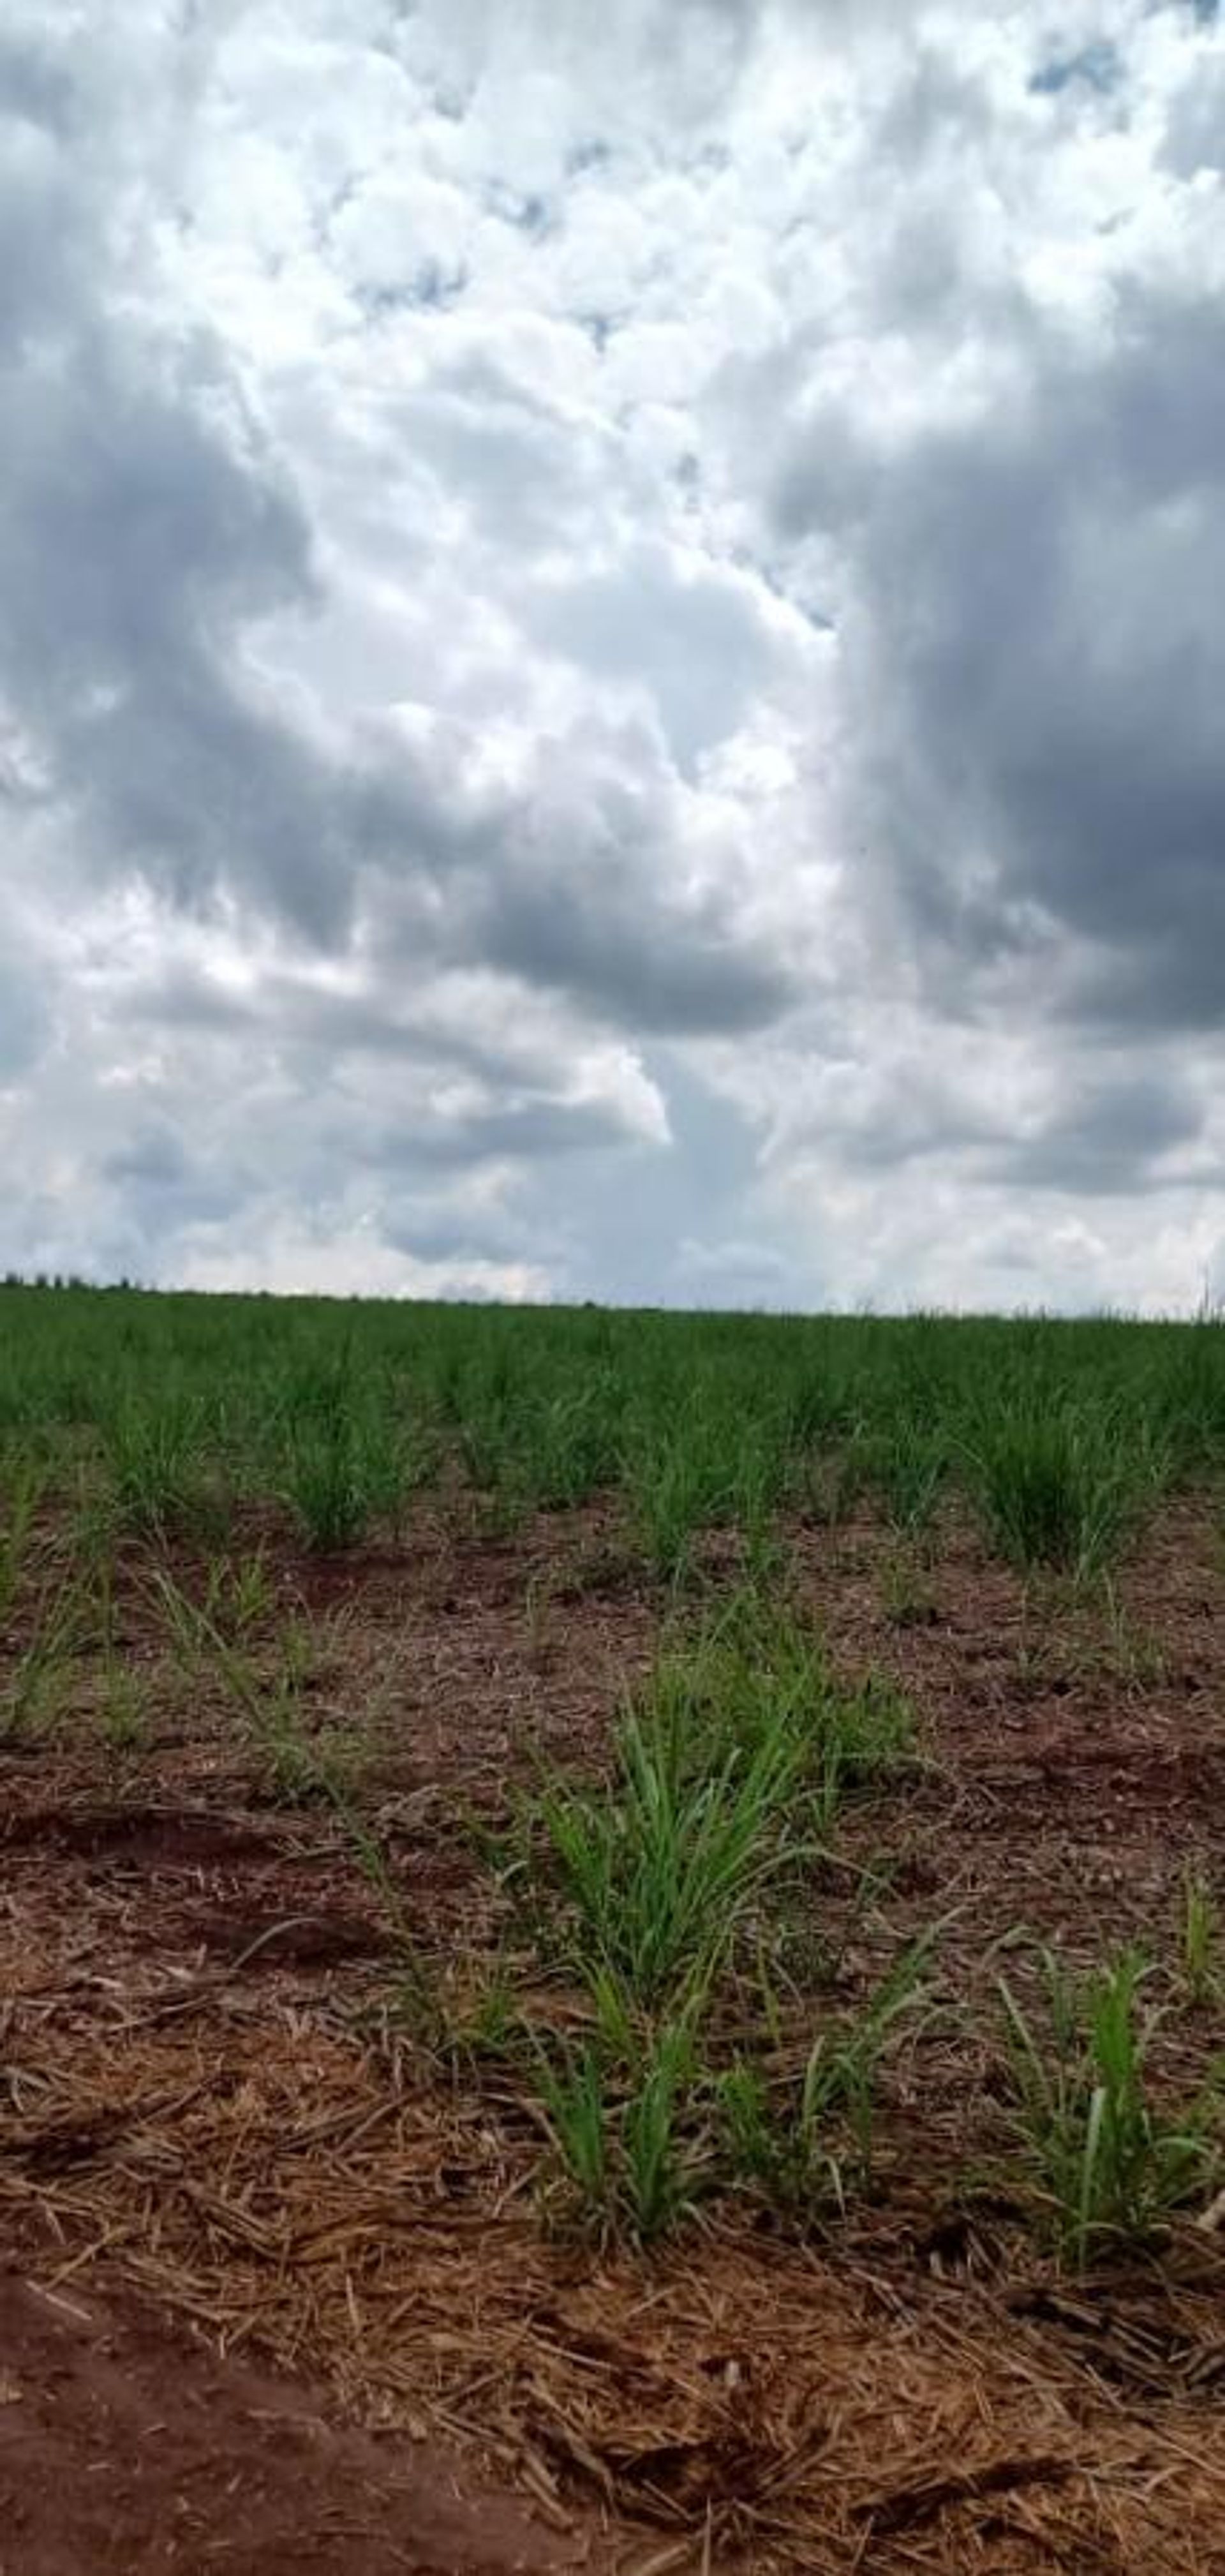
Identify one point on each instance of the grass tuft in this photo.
(1059, 1483)
(1109, 2162)
(806, 2141)
(623, 2145)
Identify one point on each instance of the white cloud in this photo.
(608, 656)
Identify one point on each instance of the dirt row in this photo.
(272, 2273)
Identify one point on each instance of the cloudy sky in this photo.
(612, 647)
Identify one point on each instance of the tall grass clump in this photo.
(35, 1679)
(1202, 1939)
(756, 1663)
(1108, 2160)
(569, 1444)
(17, 1517)
(735, 1754)
(658, 1870)
(623, 2140)
(909, 1465)
(1059, 1483)
(153, 1453)
(802, 2138)
(325, 1484)
(656, 1890)
(680, 1477)
(346, 1462)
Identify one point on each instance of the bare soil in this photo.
(126, 2446)
(224, 2150)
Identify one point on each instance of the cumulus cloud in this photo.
(609, 656)
(1034, 614)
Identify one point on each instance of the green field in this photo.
(727, 1816)
(181, 1412)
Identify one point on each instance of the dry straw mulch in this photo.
(249, 2162)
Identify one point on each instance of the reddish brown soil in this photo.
(212, 2100)
(126, 2449)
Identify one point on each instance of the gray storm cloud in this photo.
(610, 653)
